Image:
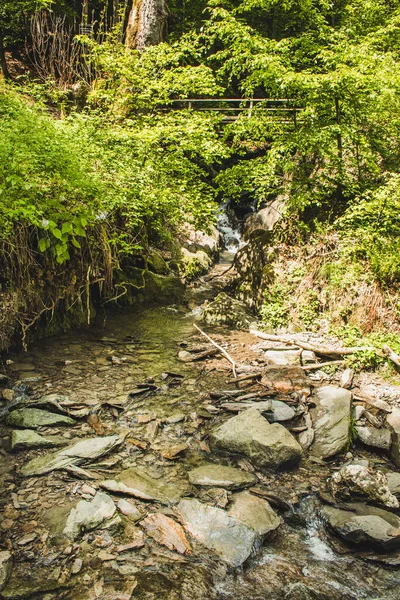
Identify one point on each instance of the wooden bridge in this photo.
(280, 110)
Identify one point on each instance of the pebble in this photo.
(76, 566)
(87, 489)
(7, 524)
(8, 395)
(104, 556)
(27, 539)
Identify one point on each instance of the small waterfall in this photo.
(230, 231)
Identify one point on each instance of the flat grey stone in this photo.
(280, 411)
(220, 476)
(76, 454)
(230, 539)
(251, 435)
(367, 525)
(24, 439)
(32, 418)
(377, 438)
(331, 421)
(254, 512)
(133, 482)
(89, 515)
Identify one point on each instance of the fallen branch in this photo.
(317, 349)
(321, 365)
(223, 352)
(395, 358)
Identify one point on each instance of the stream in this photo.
(102, 369)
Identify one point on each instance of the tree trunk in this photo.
(3, 62)
(147, 23)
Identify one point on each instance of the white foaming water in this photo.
(319, 549)
(232, 240)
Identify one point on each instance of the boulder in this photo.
(363, 483)
(5, 567)
(224, 310)
(254, 512)
(393, 422)
(331, 421)
(377, 438)
(251, 435)
(156, 262)
(194, 264)
(230, 539)
(89, 515)
(133, 482)
(264, 219)
(365, 525)
(213, 475)
(32, 418)
(24, 439)
(85, 450)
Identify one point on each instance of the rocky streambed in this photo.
(135, 465)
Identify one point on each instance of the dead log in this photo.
(317, 349)
(391, 354)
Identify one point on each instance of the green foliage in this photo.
(276, 308)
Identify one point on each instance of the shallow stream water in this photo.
(99, 367)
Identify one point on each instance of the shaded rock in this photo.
(283, 357)
(24, 439)
(220, 476)
(393, 482)
(136, 483)
(362, 482)
(5, 568)
(167, 532)
(224, 310)
(23, 586)
(331, 419)
(266, 218)
(156, 262)
(377, 438)
(280, 411)
(89, 515)
(86, 450)
(32, 418)
(366, 525)
(267, 445)
(216, 530)
(254, 512)
(393, 422)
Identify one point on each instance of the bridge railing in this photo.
(280, 110)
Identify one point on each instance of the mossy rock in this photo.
(225, 310)
(156, 263)
(194, 264)
(152, 288)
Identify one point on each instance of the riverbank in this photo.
(140, 400)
